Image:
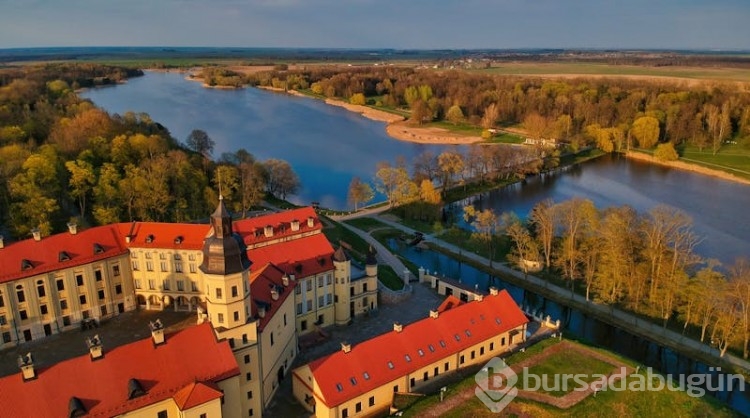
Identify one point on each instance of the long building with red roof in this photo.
(360, 380)
(187, 373)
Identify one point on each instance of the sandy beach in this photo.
(687, 166)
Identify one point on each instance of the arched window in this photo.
(19, 294)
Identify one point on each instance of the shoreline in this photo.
(682, 165)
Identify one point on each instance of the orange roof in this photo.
(164, 235)
(252, 229)
(449, 302)
(262, 281)
(377, 361)
(43, 256)
(195, 394)
(304, 256)
(189, 356)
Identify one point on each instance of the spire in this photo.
(223, 250)
(340, 255)
(221, 220)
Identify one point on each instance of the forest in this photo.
(64, 159)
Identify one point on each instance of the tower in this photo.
(225, 270)
(342, 277)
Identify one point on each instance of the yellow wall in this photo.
(167, 297)
(283, 350)
(307, 300)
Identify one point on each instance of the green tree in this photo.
(281, 179)
(82, 180)
(107, 195)
(455, 115)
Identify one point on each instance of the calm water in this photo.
(328, 145)
(325, 145)
(717, 207)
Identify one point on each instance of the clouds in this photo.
(383, 23)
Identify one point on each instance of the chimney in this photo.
(346, 347)
(493, 291)
(72, 228)
(274, 294)
(26, 364)
(268, 231)
(37, 234)
(310, 221)
(95, 347)
(285, 280)
(434, 314)
(261, 311)
(292, 276)
(478, 297)
(295, 225)
(398, 327)
(2, 243)
(157, 331)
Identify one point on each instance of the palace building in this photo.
(360, 380)
(259, 282)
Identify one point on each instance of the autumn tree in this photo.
(485, 224)
(281, 180)
(359, 193)
(543, 218)
(450, 164)
(537, 126)
(526, 249)
(666, 152)
(455, 115)
(82, 180)
(490, 116)
(646, 131)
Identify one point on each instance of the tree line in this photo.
(64, 158)
(611, 114)
(643, 262)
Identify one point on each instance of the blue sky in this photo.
(680, 24)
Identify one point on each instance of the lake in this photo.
(327, 146)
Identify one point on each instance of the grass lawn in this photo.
(388, 277)
(663, 403)
(366, 224)
(336, 232)
(571, 362)
(501, 245)
(506, 138)
(733, 158)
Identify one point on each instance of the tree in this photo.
(359, 192)
(739, 279)
(490, 116)
(420, 112)
(666, 152)
(199, 141)
(358, 99)
(543, 218)
(526, 250)
(577, 219)
(107, 195)
(450, 164)
(82, 180)
(485, 224)
(251, 178)
(226, 180)
(455, 115)
(388, 180)
(646, 130)
(537, 126)
(281, 179)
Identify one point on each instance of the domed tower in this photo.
(225, 270)
(371, 263)
(342, 278)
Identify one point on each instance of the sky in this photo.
(399, 24)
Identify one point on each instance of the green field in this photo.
(732, 158)
(569, 362)
(581, 68)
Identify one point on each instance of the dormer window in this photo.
(135, 389)
(98, 249)
(457, 337)
(366, 375)
(149, 238)
(178, 240)
(442, 343)
(390, 365)
(26, 264)
(63, 256)
(468, 333)
(408, 358)
(421, 352)
(353, 381)
(339, 387)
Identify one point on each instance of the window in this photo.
(137, 283)
(24, 316)
(351, 291)
(502, 341)
(40, 289)
(162, 414)
(299, 308)
(320, 319)
(250, 394)
(371, 402)
(247, 358)
(408, 358)
(100, 293)
(163, 266)
(79, 279)
(446, 366)
(135, 265)
(432, 348)
(191, 257)
(116, 270)
(492, 346)
(336, 298)
(345, 413)
(20, 295)
(165, 284)
(395, 389)
(472, 354)
(390, 365)
(271, 337)
(149, 266)
(328, 299)
(66, 321)
(63, 304)
(221, 318)
(202, 415)
(425, 376)
(162, 256)
(250, 412)
(192, 267)
(82, 299)
(297, 290)
(194, 286)
(180, 285)
(6, 337)
(421, 352)
(320, 301)
(60, 285)
(43, 309)
(303, 325)
(284, 319)
(309, 305)
(234, 291)
(366, 375)
(481, 351)
(178, 266)
(353, 381)
(236, 316)
(248, 376)
(364, 287)
(328, 279)
(2, 301)
(118, 289)
(457, 337)
(320, 281)
(218, 293)
(151, 284)
(98, 275)
(358, 407)
(461, 360)
(468, 333)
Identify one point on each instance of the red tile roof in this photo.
(449, 302)
(164, 235)
(302, 257)
(189, 356)
(195, 394)
(472, 322)
(44, 255)
(281, 223)
(262, 281)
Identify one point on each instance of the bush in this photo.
(666, 152)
